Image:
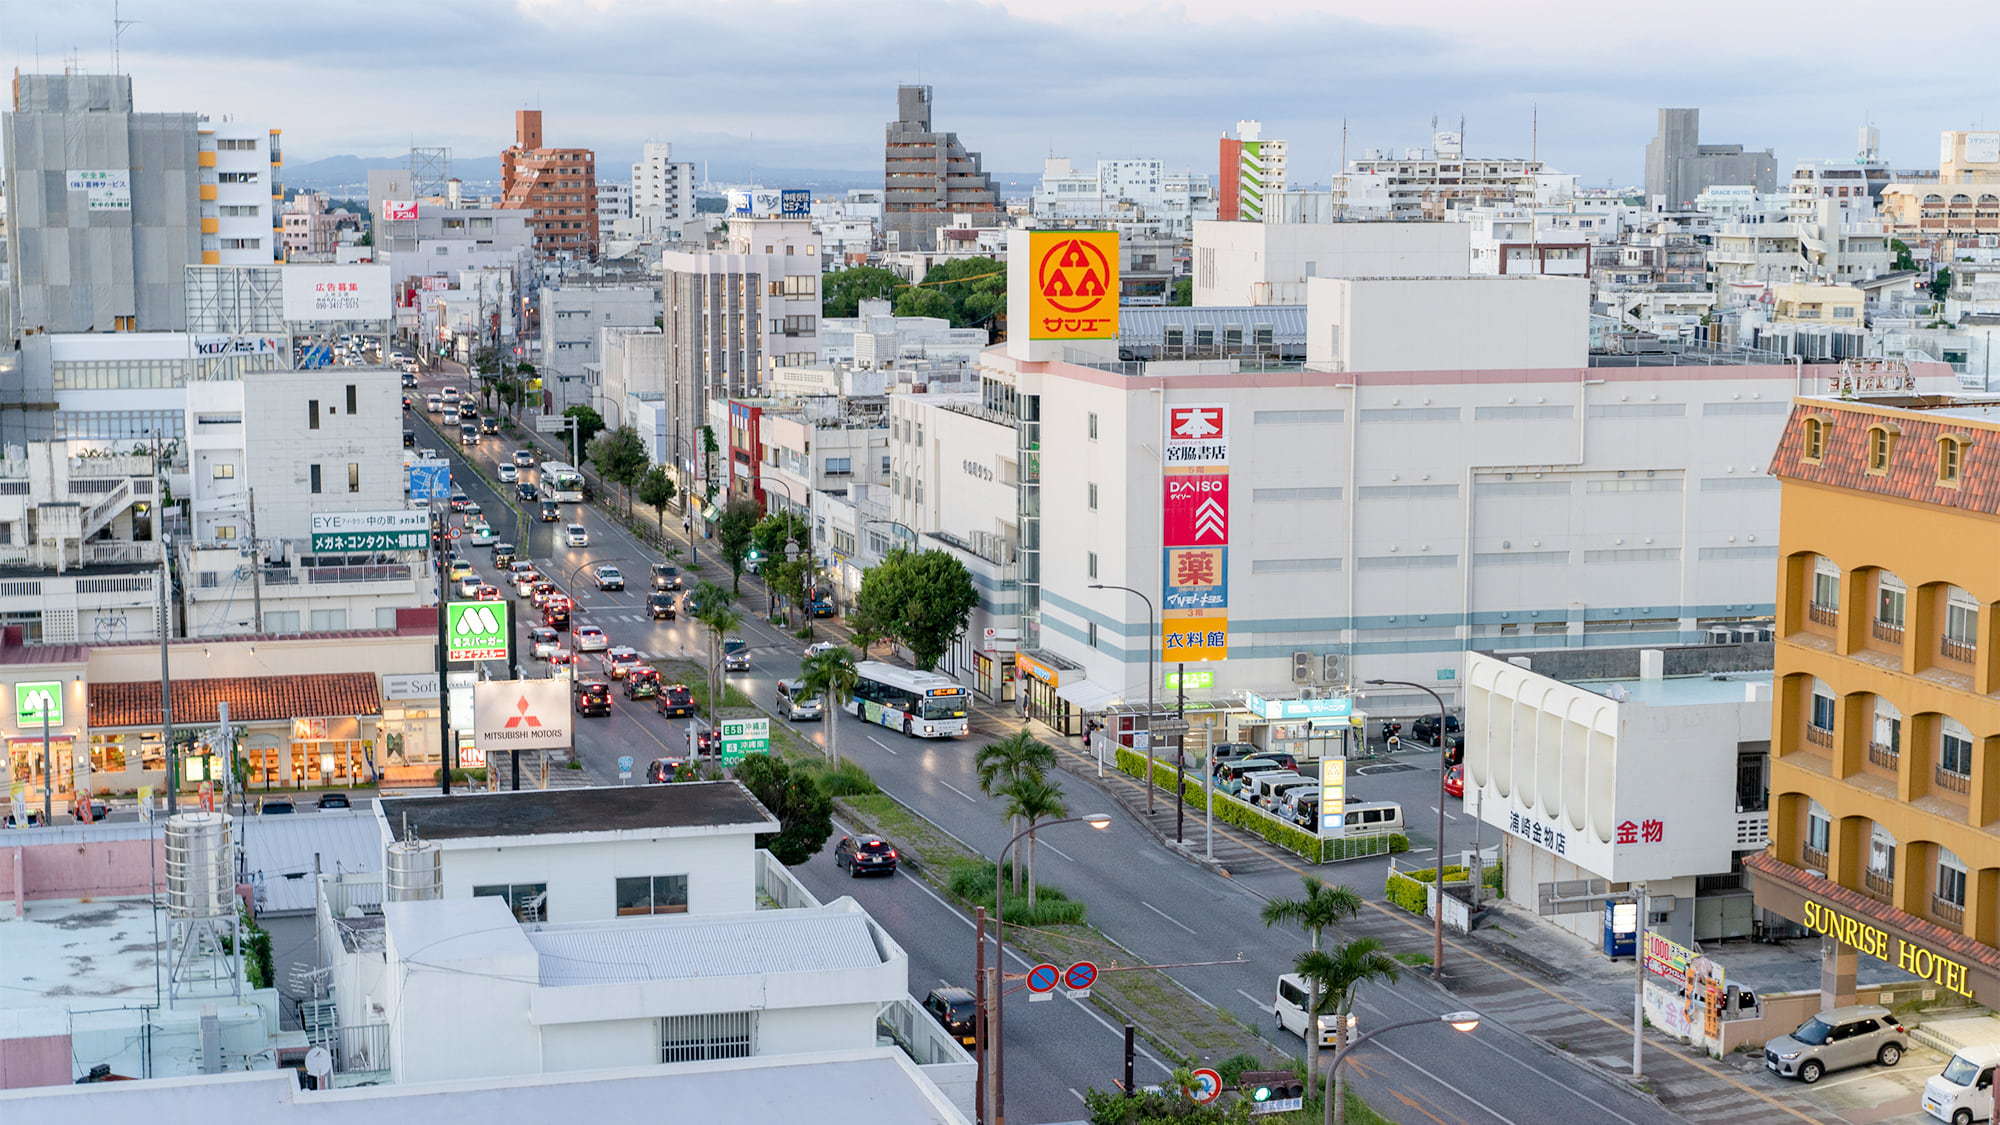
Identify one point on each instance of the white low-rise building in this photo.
(1650, 779)
(1267, 263)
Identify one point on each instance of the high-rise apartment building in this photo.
(240, 225)
(556, 186)
(1430, 183)
(1679, 166)
(1885, 738)
(614, 201)
(662, 187)
(1250, 168)
(927, 176)
(1960, 203)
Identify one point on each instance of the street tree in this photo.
(842, 291)
(969, 292)
(1321, 906)
(1334, 975)
(1003, 762)
(620, 457)
(734, 532)
(656, 489)
(773, 538)
(922, 599)
(804, 811)
(588, 424)
(1034, 799)
(830, 675)
(720, 620)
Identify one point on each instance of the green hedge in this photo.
(1407, 889)
(973, 882)
(1273, 830)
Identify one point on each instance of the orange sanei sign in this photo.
(1073, 285)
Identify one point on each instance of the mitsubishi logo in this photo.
(522, 718)
(1210, 520)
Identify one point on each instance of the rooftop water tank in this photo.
(415, 871)
(201, 869)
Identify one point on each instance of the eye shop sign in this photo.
(1885, 946)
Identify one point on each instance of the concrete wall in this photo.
(721, 872)
(1268, 263)
(282, 450)
(101, 869)
(1447, 324)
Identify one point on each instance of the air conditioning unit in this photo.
(1309, 692)
(1721, 635)
(1333, 669)
(1302, 667)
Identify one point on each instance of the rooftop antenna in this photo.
(1534, 131)
(118, 26)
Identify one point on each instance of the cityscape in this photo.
(1289, 613)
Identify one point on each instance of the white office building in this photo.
(1268, 263)
(662, 189)
(1646, 778)
(1122, 191)
(571, 317)
(876, 339)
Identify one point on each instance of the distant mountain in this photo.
(352, 171)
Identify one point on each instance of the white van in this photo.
(1370, 817)
(1290, 1008)
(1964, 1092)
(1256, 786)
(1277, 792)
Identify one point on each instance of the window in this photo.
(225, 531)
(236, 144)
(1951, 454)
(1090, 563)
(312, 479)
(1091, 425)
(1819, 829)
(350, 398)
(354, 476)
(1092, 501)
(1951, 878)
(1880, 443)
(528, 901)
(1955, 749)
(223, 470)
(312, 414)
(1822, 711)
(385, 617)
(1961, 628)
(281, 621)
(709, 1035)
(1826, 587)
(329, 620)
(1881, 853)
(653, 894)
(1090, 633)
(1890, 597)
(839, 466)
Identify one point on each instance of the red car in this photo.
(1454, 780)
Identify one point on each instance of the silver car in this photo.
(1836, 1040)
(797, 704)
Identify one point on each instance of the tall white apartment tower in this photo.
(662, 186)
(240, 223)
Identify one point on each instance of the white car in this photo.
(471, 508)
(813, 650)
(469, 585)
(590, 638)
(482, 535)
(509, 474)
(575, 536)
(449, 394)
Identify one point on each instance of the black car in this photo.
(953, 1008)
(862, 855)
(661, 606)
(593, 697)
(662, 770)
(550, 513)
(675, 701)
(666, 576)
(334, 801)
(706, 742)
(524, 491)
(1426, 728)
(272, 806)
(409, 439)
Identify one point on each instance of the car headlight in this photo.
(1788, 1057)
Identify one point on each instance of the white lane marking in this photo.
(957, 790)
(883, 745)
(1079, 1097)
(1252, 999)
(1167, 916)
(1057, 850)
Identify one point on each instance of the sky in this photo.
(810, 83)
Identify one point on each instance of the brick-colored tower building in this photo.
(556, 186)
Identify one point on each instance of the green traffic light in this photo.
(1261, 1094)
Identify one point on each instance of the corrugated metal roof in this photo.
(1144, 323)
(681, 948)
(278, 851)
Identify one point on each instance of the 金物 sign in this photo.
(403, 530)
(1073, 289)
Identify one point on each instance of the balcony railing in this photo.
(1878, 885)
(1964, 651)
(1812, 858)
(777, 889)
(1823, 615)
(1951, 781)
(1945, 910)
(1819, 736)
(362, 1049)
(1884, 755)
(1883, 631)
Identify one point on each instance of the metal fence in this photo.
(777, 884)
(363, 1048)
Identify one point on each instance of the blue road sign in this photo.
(625, 763)
(430, 480)
(1042, 978)
(1080, 977)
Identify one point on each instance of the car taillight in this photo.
(891, 853)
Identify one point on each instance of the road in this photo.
(1160, 908)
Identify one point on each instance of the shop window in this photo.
(107, 753)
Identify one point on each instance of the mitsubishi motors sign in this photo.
(521, 715)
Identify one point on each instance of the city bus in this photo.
(920, 704)
(561, 483)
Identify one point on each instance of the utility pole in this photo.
(166, 669)
(256, 569)
(1180, 752)
(443, 672)
(1640, 904)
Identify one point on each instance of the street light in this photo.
(1437, 915)
(1180, 756)
(1457, 1021)
(1098, 821)
(907, 529)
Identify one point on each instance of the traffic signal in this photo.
(1271, 1090)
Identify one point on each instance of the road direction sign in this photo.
(1078, 978)
(1042, 982)
(744, 736)
(430, 480)
(1207, 1086)
(475, 631)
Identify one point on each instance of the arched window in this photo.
(1951, 458)
(1881, 442)
(1815, 439)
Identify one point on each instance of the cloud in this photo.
(801, 83)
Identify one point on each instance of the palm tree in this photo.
(1321, 907)
(1002, 763)
(720, 620)
(830, 675)
(1334, 975)
(1034, 799)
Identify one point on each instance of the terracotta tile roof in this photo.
(1912, 471)
(251, 699)
(1854, 902)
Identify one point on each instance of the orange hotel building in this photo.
(1885, 775)
(556, 186)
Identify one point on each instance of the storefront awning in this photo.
(251, 699)
(1086, 695)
